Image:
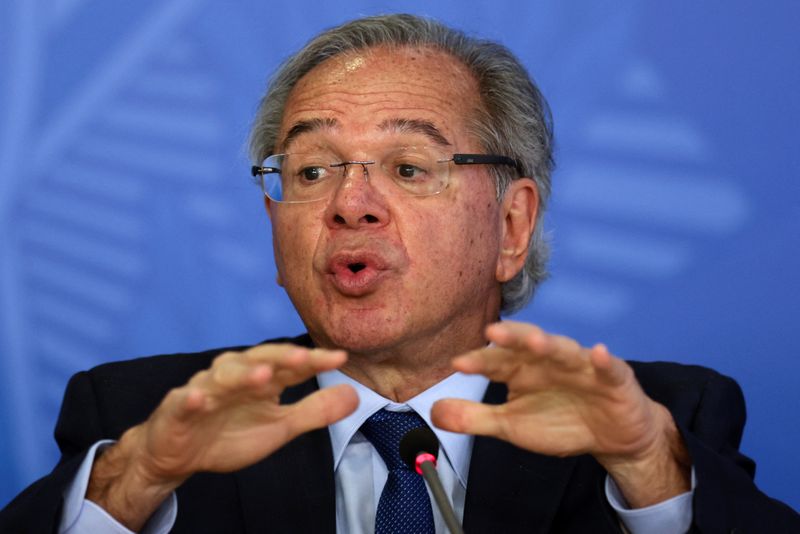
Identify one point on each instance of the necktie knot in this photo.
(385, 429)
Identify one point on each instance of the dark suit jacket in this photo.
(510, 490)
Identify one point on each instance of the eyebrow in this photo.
(398, 125)
(308, 126)
(415, 126)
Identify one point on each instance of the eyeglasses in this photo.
(416, 171)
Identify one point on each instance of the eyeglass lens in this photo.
(306, 177)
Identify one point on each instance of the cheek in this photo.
(458, 246)
(479, 244)
(294, 239)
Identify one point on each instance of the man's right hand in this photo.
(226, 418)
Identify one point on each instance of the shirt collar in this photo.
(457, 447)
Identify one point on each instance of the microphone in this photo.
(418, 449)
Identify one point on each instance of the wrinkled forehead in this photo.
(428, 89)
(408, 60)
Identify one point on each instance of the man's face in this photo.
(371, 269)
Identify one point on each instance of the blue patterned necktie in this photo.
(404, 506)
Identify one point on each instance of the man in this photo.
(405, 169)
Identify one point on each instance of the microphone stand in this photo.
(426, 466)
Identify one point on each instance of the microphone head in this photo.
(416, 441)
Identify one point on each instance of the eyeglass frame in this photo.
(456, 159)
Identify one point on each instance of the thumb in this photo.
(467, 417)
(321, 408)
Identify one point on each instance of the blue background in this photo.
(130, 227)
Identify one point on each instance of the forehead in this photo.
(359, 93)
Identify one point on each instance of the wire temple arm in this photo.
(486, 159)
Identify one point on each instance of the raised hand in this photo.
(224, 419)
(564, 400)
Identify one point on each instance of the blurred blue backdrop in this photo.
(130, 226)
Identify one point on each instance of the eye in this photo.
(409, 172)
(312, 174)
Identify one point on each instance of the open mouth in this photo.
(356, 274)
(355, 267)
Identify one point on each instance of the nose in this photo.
(356, 203)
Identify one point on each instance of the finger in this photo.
(290, 356)
(231, 377)
(468, 417)
(185, 404)
(609, 369)
(236, 374)
(293, 364)
(279, 355)
(537, 343)
(321, 408)
(518, 336)
(498, 364)
(282, 353)
(525, 336)
(294, 371)
(502, 365)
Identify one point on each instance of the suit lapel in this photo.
(509, 489)
(293, 489)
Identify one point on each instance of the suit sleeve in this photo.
(38, 508)
(726, 498)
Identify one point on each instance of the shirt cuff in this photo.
(673, 516)
(81, 515)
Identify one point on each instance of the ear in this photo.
(268, 207)
(518, 212)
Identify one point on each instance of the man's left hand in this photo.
(564, 400)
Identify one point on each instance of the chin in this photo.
(365, 341)
(362, 335)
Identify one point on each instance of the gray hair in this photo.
(513, 118)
